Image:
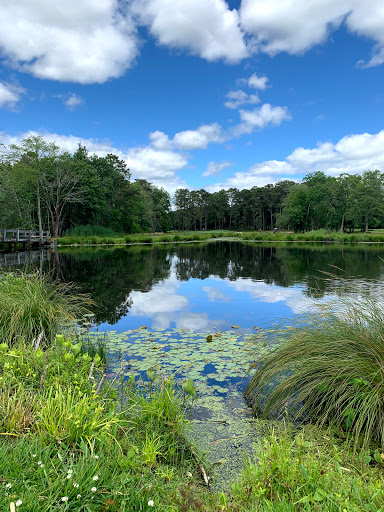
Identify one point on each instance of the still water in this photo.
(159, 303)
(207, 287)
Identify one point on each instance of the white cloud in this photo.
(258, 82)
(190, 139)
(352, 154)
(200, 138)
(296, 26)
(160, 140)
(367, 19)
(215, 168)
(260, 118)
(238, 98)
(10, 94)
(207, 28)
(83, 41)
(73, 101)
(91, 41)
(157, 166)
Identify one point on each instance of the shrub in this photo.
(328, 367)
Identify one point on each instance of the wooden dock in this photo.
(25, 237)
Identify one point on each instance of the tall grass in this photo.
(31, 304)
(328, 367)
(90, 230)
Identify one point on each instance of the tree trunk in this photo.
(39, 214)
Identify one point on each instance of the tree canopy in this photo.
(44, 187)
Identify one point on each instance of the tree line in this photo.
(44, 187)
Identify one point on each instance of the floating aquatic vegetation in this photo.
(215, 366)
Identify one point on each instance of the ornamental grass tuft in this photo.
(328, 367)
(32, 303)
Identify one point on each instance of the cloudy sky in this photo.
(199, 93)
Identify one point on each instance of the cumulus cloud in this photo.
(258, 82)
(260, 118)
(215, 168)
(207, 28)
(295, 27)
(10, 94)
(73, 101)
(200, 138)
(188, 140)
(160, 140)
(81, 41)
(89, 41)
(352, 154)
(238, 98)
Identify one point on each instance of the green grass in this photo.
(69, 443)
(31, 304)
(328, 367)
(70, 440)
(88, 231)
(306, 471)
(202, 236)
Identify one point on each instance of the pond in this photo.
(159, 303)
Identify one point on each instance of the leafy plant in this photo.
(69, 416)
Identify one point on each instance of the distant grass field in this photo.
(321, 235)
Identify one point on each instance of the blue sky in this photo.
(200, 93)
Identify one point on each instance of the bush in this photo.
(328, 367)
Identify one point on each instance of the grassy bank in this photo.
(74, 439)
(68, 443)
(196, 236)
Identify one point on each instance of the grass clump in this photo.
(31, 304)
(306, 471)
(328, 368)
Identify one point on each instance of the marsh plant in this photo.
(328, 367)
(32, 303)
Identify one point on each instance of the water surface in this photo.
(159, 303)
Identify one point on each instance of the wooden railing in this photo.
(23, 236)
